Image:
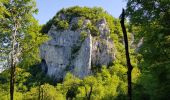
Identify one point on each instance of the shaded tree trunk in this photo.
(127, 55)
(12, 81)
(39, 91)
(89, 96)
(13, 62)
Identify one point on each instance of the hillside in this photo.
(79, 54)
(83, 43)
(80, 42)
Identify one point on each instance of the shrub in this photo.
(93, 30)
(78, 25)
(47, 26)
(61, 24)
(83, 35)
(74, 27)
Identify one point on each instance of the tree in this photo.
(89, 83)
(127, 55)
(16, 18)
(152, 18)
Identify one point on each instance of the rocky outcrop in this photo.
(67, 51)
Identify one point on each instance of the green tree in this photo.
(152, 19)
(16, 18)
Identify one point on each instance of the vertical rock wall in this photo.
(66, 52)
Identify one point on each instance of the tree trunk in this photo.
(127, 55)
(12, 80)
(13, 65)
(39, 91)
(89, 96)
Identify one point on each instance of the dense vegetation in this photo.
(150, 20)
(151, 73)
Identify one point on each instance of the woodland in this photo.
(146, 24)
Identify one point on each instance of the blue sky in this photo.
(48, 8)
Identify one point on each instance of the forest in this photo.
(147, 24)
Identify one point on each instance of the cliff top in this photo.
(73, 18)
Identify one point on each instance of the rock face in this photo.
(66, 51)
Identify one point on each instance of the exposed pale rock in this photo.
(103, 52)
(86, 22)
(82, 62)
(139, 45)
(103, 28)
(66, 52)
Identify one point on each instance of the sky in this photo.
(48, 8)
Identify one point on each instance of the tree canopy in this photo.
(148, 21)
(151, 20)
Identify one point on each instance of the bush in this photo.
(61, 24)
(74, 27)
(46, 27)
(93, 14)
(83, 35)
(78, 25)
(93, 30)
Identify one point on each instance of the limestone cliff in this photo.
(77, 48)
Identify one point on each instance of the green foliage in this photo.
(3, 10)
(108, 83)
(76, 11)
(27, 84)
(49, 92)
(83, 35)
(17, 18)
(104, 85)
(93, 30)
(94, 14)
(47, 26)
(45, 92)
(74, 27)
(61, 24)
(78, 25)
(14, 24)
(150, 21)
(30, 45)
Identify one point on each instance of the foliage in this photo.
(16, 19)
(108, 83)
(150, 21)
(83, 35)
(61, 25)
(47, 26)
(77, 25)
(94, 14)
(147, 19)
(93, 30)
(31, 43)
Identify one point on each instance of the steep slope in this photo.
(80, 39)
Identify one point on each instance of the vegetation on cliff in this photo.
(149, 23)
(64, 17)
